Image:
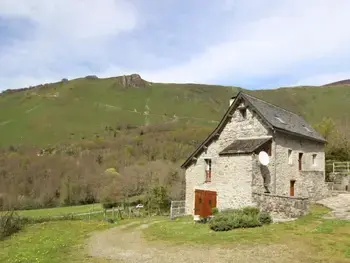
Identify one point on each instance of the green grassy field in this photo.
(82, 108)
(61, 241)
(325, 240)
(58, 211)
(321, 240)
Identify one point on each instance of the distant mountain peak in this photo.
(132, 81)
(345, 82)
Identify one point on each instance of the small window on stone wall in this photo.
(314, 159)
(243, 113)
(290, 159)
(208, 170)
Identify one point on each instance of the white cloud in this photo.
(73, 18)
(257, 39)
(67, 30)
(296, 32)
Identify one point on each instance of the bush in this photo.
(265, 218)
(239, 218)
(109, 205)
(10, 223)
(251, 210)
(215, 211)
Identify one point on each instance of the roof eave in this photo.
(301, 135)
(211, 135)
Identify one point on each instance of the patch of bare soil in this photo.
(120, 245)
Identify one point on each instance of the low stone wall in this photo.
(282, 206)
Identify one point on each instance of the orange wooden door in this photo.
(197, 202)
(204, 202)
(210, 202)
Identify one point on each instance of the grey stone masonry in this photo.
(282, 206)
(296, 164)
(313, 185)
(312, 170)
(231, 175)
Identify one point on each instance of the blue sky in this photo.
(253, 44)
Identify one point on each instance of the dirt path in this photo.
(339, 204)
(128, 246)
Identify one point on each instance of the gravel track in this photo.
(128, 246)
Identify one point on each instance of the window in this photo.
(243, 113)
(291, 188)
(300, 160)
(208, 170)
(290, 159)
(314, 159)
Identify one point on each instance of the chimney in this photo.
(232, 100)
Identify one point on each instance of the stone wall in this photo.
(282, 206)
(313, 185)
(235, 177)
(263, 176)
(287, 169)
(231, 175)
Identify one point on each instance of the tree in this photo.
(326, 127)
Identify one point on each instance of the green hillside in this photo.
(97, 125)
(85, 108)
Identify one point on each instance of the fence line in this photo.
(341, 167)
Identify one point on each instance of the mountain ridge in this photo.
(70, 110)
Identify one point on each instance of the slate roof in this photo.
(244, 146)
(274, 117)
(282, 119)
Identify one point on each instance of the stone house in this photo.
(224, 171)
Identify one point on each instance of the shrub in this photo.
(10, 223)
(251, 210)
(265, 218)
(239, 218)
(215, 211)
(109, 205)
